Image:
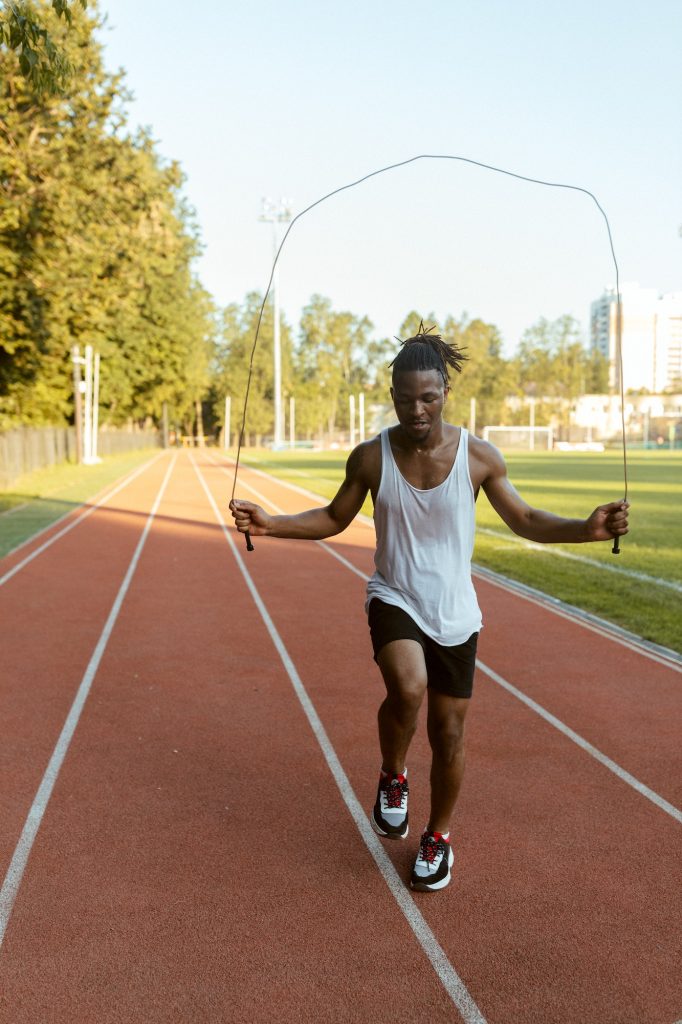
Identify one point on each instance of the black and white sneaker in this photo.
(389, 814)
(434, 860)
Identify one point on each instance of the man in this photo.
(424, 476)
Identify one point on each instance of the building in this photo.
(651, 337)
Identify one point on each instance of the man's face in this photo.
(418, 397)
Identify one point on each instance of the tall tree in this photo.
(23, 30)
(333, 359)
(231, 369)
(96, 247)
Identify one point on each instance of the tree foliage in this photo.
(96, 247)
(23, 29)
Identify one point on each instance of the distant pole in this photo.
(362, 416)
(276, 213)
(351, 402)
(532, 423)
(77, 361)
(472, 416)
(164, 425)
(227, 427)
(87, 426)
(292, 422)
(95, 408)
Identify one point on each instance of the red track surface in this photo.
(196, 861)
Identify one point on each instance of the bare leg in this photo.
(404, 670)
(445, 726)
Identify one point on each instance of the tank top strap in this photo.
(387, 460)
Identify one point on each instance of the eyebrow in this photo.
(422, 394)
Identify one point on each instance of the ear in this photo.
(392, 394)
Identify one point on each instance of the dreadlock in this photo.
(426, 351)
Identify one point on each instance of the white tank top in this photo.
(425, 540)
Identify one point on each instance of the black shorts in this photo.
(449, 670)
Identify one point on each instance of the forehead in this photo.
(415, 382)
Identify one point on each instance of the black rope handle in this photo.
(488, 167)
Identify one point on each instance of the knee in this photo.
(405, 699)
(447, 738)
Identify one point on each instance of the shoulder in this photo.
(364, 461)
(487, 459)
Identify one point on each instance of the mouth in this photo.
(419, 424)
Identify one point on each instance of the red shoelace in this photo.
(396, 791)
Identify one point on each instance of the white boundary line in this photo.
(451, 981)
(531, 545)
(514, 539)
(79, 519)
(14, 508)
(15, 872)
(621, 773)
(584, 744)
(663, 655)
(655, 652)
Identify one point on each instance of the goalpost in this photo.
(520, 438)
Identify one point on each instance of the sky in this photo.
(294, 100)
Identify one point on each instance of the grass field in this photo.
(37, 499)
(569, 484)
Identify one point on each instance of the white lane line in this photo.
(318, 498)
(531, 545)
(663, 655)
(14, 508)
(79, 519)
(15, 872)
(276, 508)
(451, 981)
(512, 539)
(567, 611)
(584, 744)
(621, 773)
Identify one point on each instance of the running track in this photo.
(174, 844)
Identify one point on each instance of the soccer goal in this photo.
(528, 439)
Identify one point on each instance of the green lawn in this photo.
(38, 499)
(570, 484)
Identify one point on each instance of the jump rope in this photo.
(488, 167)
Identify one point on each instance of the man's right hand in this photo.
(248, 516)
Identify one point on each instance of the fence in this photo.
(28, 448)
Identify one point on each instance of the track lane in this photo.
(52, 613)
(565, 873)
(196, 861)
(43, 538)
(617, 698)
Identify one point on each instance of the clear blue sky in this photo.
(294, 99)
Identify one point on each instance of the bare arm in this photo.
(606, 522)
(315, 523)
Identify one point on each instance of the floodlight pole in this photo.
(276, 212)
(78, 361)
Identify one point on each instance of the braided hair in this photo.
(426, 351)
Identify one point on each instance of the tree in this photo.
(231, 365)
(96, 247)
(552, 363)
(23, 30)
(333, 359)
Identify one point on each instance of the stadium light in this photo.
(276, 212)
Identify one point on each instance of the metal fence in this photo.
(28, 448)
